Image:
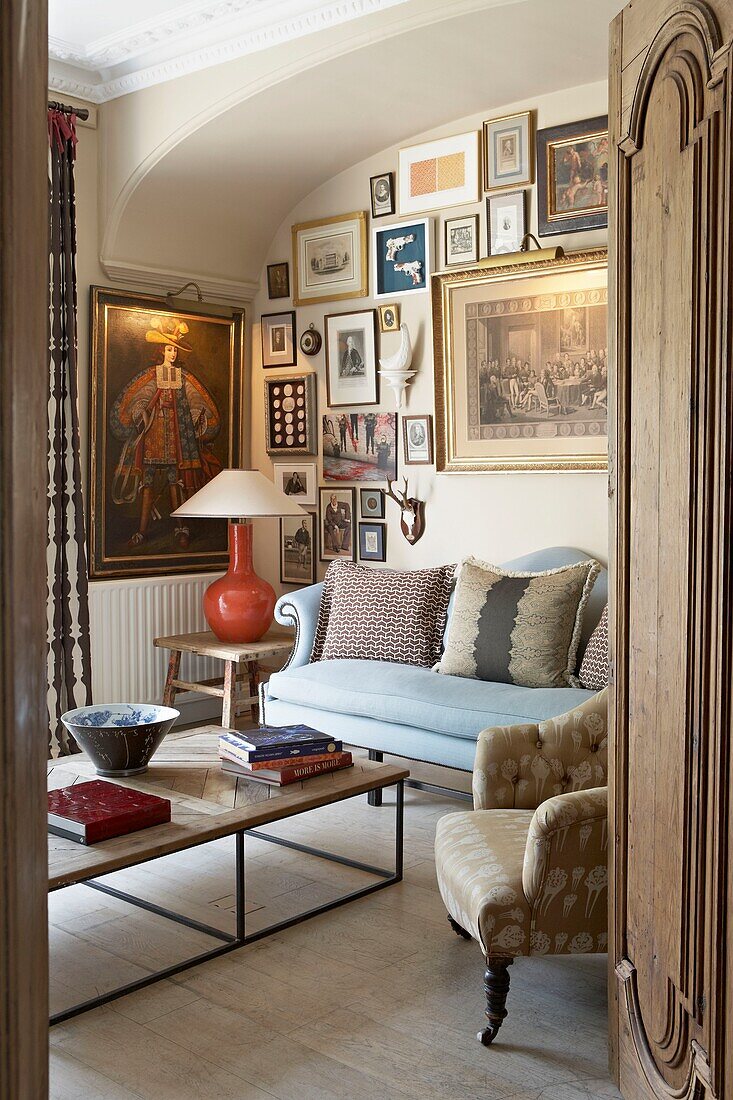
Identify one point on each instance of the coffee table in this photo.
(206, 805)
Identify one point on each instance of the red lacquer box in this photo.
(94, 811)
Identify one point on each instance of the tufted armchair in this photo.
(525, 873)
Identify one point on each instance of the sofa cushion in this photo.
(593, 672)
(416, 697)
(383, 614)
(519, 628)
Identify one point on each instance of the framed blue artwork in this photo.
(401, 257)
(372, 541)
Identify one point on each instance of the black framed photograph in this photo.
(351, 358)
(371, 502)
(461, 241)
(337, 508)
(372, 541)
(278, 280)
(572, 177)
(278, 339)
(506, 220)
(290, 411)
(298, 549)
(417, 436)
(382, 189)
(389, 317)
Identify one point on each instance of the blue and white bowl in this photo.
(119, 738)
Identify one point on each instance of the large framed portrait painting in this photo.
(521, 370)
(166, 417)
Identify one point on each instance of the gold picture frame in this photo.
(516, 389)
(518, 171)
(330, 259)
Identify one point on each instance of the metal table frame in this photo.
(240, 938)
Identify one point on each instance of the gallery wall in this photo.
(496, 515)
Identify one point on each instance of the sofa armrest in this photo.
(300, 609)
(565, 872)
(518, 767)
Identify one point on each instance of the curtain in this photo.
(69, 651)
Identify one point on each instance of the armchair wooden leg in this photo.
(496, 984)
(458, 929)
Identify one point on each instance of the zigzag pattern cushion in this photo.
(382, 614)
(518, 628)
(593, 672)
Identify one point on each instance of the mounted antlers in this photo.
(412, 520)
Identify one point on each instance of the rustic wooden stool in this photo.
(241, 661)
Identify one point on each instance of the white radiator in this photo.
(125, 616)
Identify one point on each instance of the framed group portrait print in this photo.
(351, 358)
(521, 365)
(330, 259)
(508, 151)
(278, 339)
(572, 177)
(166, 417)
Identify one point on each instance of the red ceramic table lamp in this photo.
(239, 606)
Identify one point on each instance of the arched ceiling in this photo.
(211, 201)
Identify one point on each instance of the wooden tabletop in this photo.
(206, 644)
(206, 803)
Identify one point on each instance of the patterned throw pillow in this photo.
(517, 628)
(382, 614)
(594, 666)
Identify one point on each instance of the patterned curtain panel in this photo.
(69, 655)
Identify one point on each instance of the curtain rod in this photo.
(80, 112)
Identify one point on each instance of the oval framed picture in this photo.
(371, 502)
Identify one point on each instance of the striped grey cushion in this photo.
(518, 628)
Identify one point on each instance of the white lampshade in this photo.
(233, 493)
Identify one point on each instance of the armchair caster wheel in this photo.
(458, 929)
(487, 1036)
(496, 987)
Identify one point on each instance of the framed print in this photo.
(330, 259)
(521, 370)
(337, 524)
(372, 541)
(359, 446)
(461, 241)
(371, 502)
(389, 317)
(298, 549)
(278, 280)
(439, 173)
(290, 412)
(277, 331)
(508, 151)
(166, 417)
(401, 258)
(351, 358)
(506, 219)
(572, 177)
(382, 190)
(297, 480)
(417, 435)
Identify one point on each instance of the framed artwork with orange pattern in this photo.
(439, 173)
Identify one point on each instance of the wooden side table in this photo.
(241, 662)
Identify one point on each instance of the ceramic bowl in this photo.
(119, 738)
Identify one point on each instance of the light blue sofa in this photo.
(406, 711)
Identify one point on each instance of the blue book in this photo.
(273, 737)
(233, 746)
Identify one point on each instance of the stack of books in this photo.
(281, 754)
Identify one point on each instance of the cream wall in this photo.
(494, 516)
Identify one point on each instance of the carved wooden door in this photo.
(671, 504)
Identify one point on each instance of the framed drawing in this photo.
(166, 417)
(508, 151)
(297, 480)
(330, 259)
(572, 177)
(506, 220)
(337, 524)
(290, 411)
(389, 317)
(298, 549)
(359, 446)
(371, 502)
(521, 365)
(417, 435)
(278, 280)
(401, 258)
(372, 541)
(277, 331)
(461, 241)
(351, 358)
(439, 173)
(382, 190)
